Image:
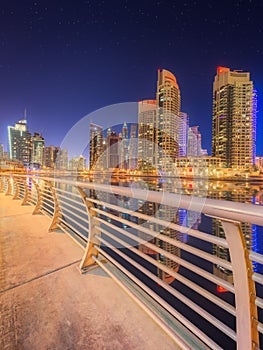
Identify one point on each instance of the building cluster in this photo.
(162, 142)
(166, 142)
(30, 150)
(114, 150)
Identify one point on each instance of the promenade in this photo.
(46, 303)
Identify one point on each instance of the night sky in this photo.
(62, 60)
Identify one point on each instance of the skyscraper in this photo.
(20, 142)
(38, 145)
(50, 156)
(96, 149)
(147, 134)
(194, 142)
(133, 148)
(234, 118)
(62, 159)
(183, 134)
(113, 158)
(168, 122)
(123, 147)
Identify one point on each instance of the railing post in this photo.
(26, 192)
(57, 210)
(9, 187)
(245, 290)
(87, 262)
(17, 188)
(39, 202)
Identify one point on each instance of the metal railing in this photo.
(177, 281)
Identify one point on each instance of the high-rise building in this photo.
(124, 147)
(168, 102)
(38, 146)
(50, 156)
(133, 148)
(112, 149)
(183, 134)
(194, 142)
(96, 146)
(234, 118)
(20, 142)
(77, 163)
(147, 134)
(62, 159)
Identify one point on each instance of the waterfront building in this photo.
(113, 158)
(62, 159)
(234, 118)
(198, 166)
(133, 148)
(168, 101)
(77, 163)
(20, 142)
(194, 142)
(183, 134)
(38, 146)
(96, 146)
(147, 134)
(50, 156)
(124, 147)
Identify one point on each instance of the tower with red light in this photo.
(234, 118)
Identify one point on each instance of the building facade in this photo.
(20, 142)
(113, 157)
(133, 148)
(168, 101)
(38, 146)
(147, 134)
(96, 146)
(183, 134)
(234, 118)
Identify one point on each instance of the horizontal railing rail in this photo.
(183, 269)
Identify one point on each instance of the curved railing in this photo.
(175, 272)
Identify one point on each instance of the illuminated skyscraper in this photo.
(113, 158)
(168, 102)
(133, 148)
(96, 147)
(62, 159)
(194, 142)
(124, 147)
(20, 142)
(50, 156)
(234, 118)
(183, 134)
(38, 145)
(147, 134)
(77, 163)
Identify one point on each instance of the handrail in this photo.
(156, 242)
(240, 212)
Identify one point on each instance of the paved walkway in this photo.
(45, 303)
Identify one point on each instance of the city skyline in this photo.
(64, 61)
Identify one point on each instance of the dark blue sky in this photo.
(64, 60)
